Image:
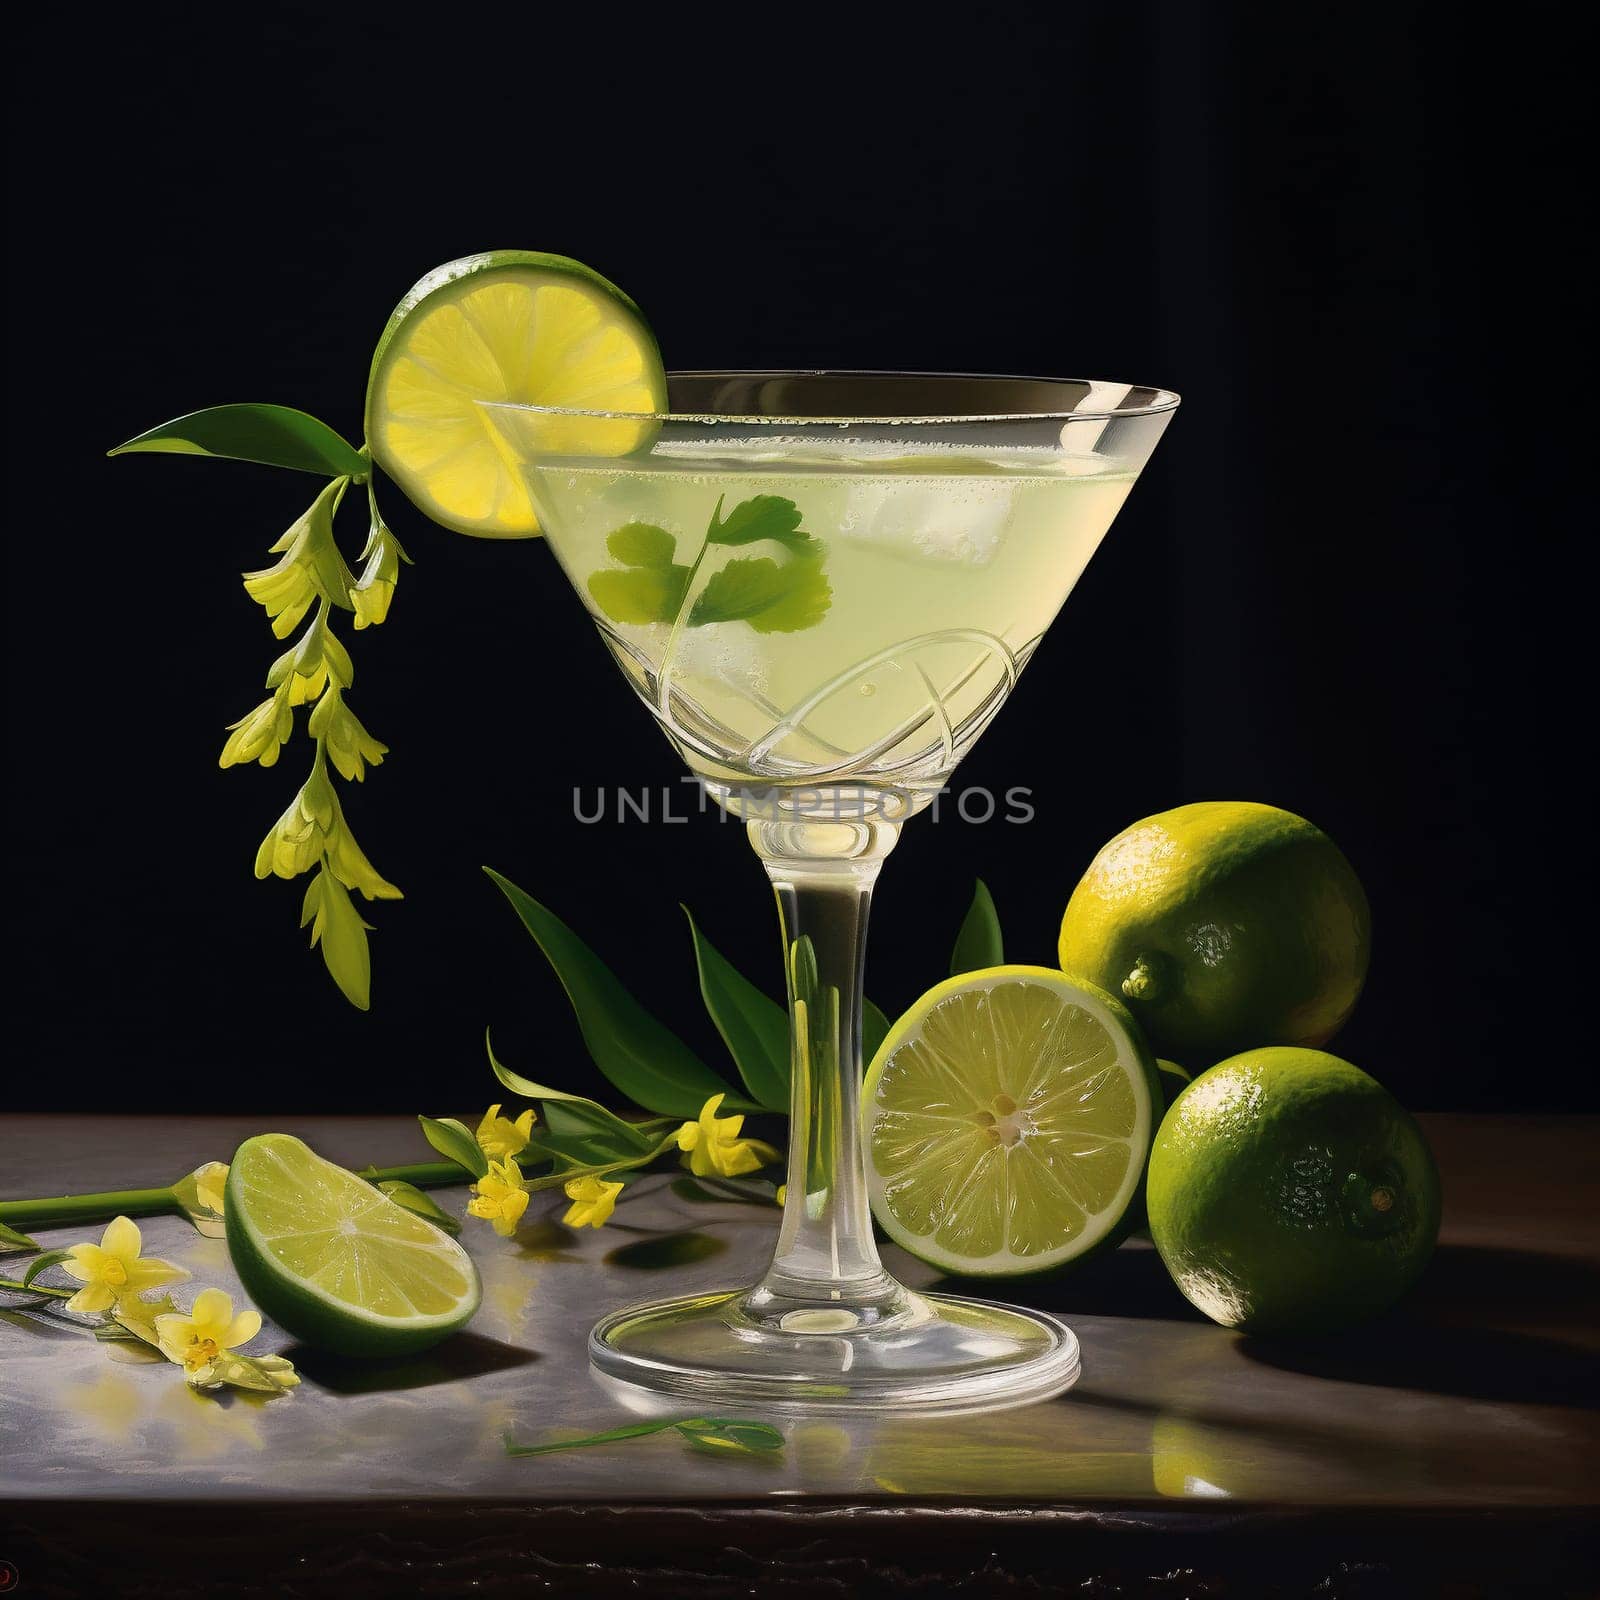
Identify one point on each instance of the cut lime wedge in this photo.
(1007, 1120)
(506, 326)
(334, 1261)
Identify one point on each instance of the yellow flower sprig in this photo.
(204, 1341)
(313, 836)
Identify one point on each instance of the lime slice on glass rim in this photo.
(335, 1261)
(515, 326)
(1007, 1121)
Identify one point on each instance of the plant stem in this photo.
(26, 1214)
(69, 1208)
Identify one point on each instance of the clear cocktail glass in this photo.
(823, 586)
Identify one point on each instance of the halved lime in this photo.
(1007, 1120)
(506, 325)
(334, 1261)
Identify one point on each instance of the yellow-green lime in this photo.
(1006, 1120)
(507, 325)
(1223, 925)
(334, 1261)
(1291, 1193)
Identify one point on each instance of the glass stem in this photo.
(823, 874)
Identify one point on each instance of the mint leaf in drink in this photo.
(772, 598)
(764, 516)
(653, 587)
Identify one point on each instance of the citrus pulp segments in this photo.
(514, 326)
(320, 1250)
(943, 1181)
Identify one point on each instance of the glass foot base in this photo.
(934, 1353)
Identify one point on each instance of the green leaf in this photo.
(719, 1435)
(978, 945)
(640, 595)
(874, 1030)
(641, 544)
(572, 1117)
(637, 1430)
(410, 1198)
(764, 516)
(455, 1142)
(274, 436)
(342, 932)
(724, 1435)
(754, 1027)
(772, 598)
(51, 1258)
(11, 1241)
(638, 1056)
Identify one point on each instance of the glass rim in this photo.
(1164, 400)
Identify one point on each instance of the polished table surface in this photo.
(1459, 1432)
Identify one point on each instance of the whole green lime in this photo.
(1224, 925)
(1291, 1193)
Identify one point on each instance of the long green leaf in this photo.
(571, 1117)
(410, 1198)
(874, 1030)
(51, 1258)
(978, 945)
(753, 1026)
(11, 1241)
(274, 436)
(455, 1142)
(639, 1056)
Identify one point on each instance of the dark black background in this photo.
(1344, 237)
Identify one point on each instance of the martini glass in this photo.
(823, 586)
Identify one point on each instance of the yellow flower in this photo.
(113, 1270)
(209, 1331)
(782, 1194)
(713, 1146)
(312, 827)
(499, 1136)
(311, 568)
(303, 670)
(260, 735)
(208, 1182)
(501, 1197)
(374, 589)
(350, 747)
(593, 1201)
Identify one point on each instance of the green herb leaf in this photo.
(772, 598)
(638, 1056)
(754, 1027)
(274, 436)
(640, 595)
(51, 1258)
(642, 544)
(11, 1241)
(724, 1434)
(874, 1030)
(410, 1198)
(653, 590)
(454, 1141)
(978, 945)
(763, 516)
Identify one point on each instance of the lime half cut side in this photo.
(335, 1261)
(516, 327)
(1007, 1120)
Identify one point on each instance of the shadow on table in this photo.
(464, 1355)
(1130, 1282)
(1465, 1330)
(666, 1250)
